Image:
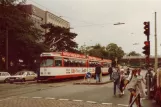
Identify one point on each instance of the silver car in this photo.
(23, 76)
(4, 76)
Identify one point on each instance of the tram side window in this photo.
(105, 65)
(77, 64)
(58, 61)
(91, 64)
(66, 63)
(108, 64)
(83, 64)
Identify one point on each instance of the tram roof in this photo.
(73, 55)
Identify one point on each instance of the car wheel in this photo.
(23, 80)
(35, 79)
(6, 80)
(11, 82)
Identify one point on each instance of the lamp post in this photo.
(119, 23)
(6, 59)
(156, 56)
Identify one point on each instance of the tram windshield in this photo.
(47, 61)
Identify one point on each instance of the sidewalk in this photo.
(105, 80)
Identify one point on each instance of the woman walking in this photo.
(140, 80)
(134, 89)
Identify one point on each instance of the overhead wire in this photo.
(89, 23)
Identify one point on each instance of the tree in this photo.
(96, 50)
(111, 51)
(133, 53)
(114, 52)
(59, 39)
(23, 36)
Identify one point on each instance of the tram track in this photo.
(8, 90)
(25, 90)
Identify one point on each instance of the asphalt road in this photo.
(63, 91)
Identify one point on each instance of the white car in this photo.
(23, 76)
(4, 76)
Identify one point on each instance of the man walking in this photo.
(110, 72)
(97, 73)
(116, 79)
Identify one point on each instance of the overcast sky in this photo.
(93, 20)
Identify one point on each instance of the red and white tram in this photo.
(60, 65)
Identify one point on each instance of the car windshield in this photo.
(19, 73)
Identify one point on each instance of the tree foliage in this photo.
(111, 51)
(59, 39)
(133, 53)
(23, 36)
(114, 51)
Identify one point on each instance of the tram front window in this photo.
(47, 62)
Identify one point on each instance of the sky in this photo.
(93, 21)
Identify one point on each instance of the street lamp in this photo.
(118, 23)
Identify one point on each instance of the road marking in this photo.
(64, 99)
(50, 98)
(36, 97)
(78, 100)
(91, 102)
(5, 99)
(123, 105)
(23, 97)
(107, 103)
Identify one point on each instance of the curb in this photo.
(85, 83)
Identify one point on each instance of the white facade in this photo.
(55, 20)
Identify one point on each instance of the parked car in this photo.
(23, 76)
(4, 76)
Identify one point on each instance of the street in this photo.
(63, 93)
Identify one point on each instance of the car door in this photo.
(3, 76)
(27, 76)
(7, 75)
(32, 75)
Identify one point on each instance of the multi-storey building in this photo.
(41, 17)
(56, 20)
(37, 15)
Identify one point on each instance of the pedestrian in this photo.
(134, 89)
(110, 72)
(150, 77)
(140, 80)
(87, 77)
(116, 79)
(128, 71)
(122, 79)
(98, 72)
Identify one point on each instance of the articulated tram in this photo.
(61, 65)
